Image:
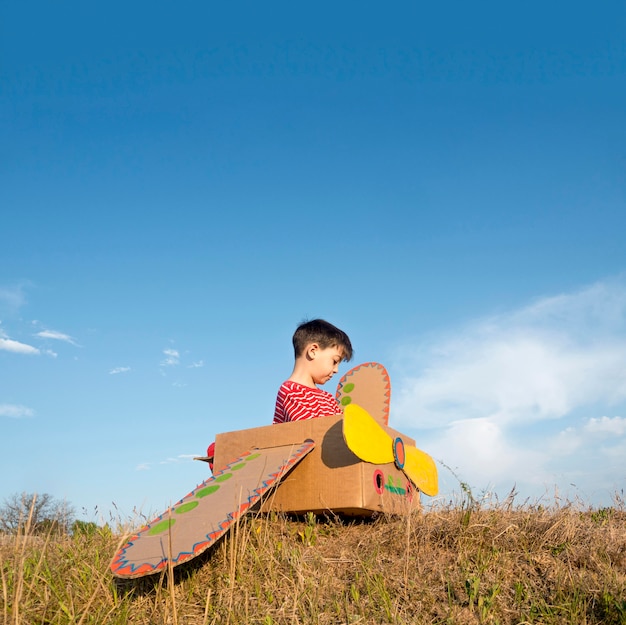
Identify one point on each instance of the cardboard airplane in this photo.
(350, 464)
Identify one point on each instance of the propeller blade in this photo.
(368, 441)
(364, 437)
(421, 469)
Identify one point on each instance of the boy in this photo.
(319, 347)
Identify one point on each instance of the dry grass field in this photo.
(459, 563)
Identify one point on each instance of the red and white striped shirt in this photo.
(296, 402)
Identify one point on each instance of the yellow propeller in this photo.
(369, 442)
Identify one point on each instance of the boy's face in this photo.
(324, 363)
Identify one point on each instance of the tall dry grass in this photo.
(461, 563)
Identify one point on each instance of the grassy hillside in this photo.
(458, 564)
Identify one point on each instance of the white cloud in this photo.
(17, 347)
(178, 459)
(56, 336)
(605, 425)
(147, 466)
(533, 364)
(117, 370)
(172, 358)
(495, 459)
(9, 345)
(15, 411)
(196, 365)
(567, 442)
(487, 396)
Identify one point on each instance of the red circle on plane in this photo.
(379, 481)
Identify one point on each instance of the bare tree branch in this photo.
(48, 514)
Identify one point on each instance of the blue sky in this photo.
(181, 185)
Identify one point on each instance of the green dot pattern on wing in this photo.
(347, 388)
(209, 490)
(161, 527)
(186, 507)
(223, 477)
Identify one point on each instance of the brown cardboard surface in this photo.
(369, 386)
(331, 477)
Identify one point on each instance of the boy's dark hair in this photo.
(324, 334)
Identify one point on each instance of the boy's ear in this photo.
(311, 350)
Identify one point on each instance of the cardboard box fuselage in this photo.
(331, 478)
